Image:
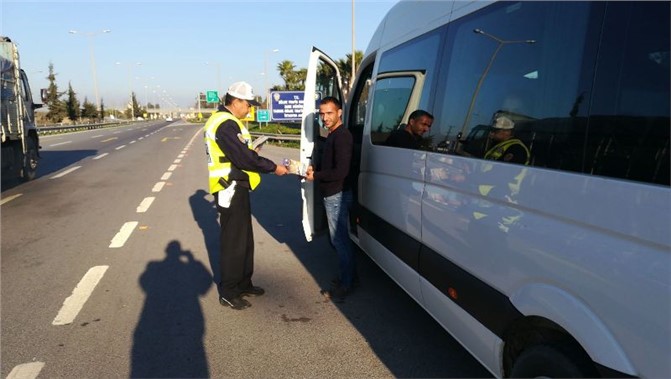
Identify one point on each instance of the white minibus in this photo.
(560, 267)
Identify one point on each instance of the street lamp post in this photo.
(218, 66)
(500, 43)
(351, 80)
(265, 76)
(90, 36)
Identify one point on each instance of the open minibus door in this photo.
(322, 80)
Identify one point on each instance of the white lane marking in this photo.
(132, 142)
(120, 238)
(145, 204)
(26, 371)
(166, 176)
(65, 172)
(158, 187)
(177, 161)
(100, 156)
(74, 303)
(60, 143)
(172, 167)
(120, 147)
(10, 198)
(98, 136)
(141, 138)
(181, 155)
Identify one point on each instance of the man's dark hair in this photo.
(419, 113)
(331, 99)
(228, 99)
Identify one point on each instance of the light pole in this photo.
(90, 36)
(130, 89)
(500, 43)
(218, 66)
(265, 75)
(351, 80)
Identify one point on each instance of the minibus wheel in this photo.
(552, 361)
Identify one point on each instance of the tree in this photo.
(345, 67)
(89, 110)
(72, 105)
(133, 110)
(56, 106)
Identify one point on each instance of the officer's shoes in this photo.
(236, 303)
(253, 291)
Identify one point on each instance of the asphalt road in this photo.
(107, 262)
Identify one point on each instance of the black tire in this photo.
(552, 362)
(29, 167)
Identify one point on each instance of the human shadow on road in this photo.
(404, 337)
(206, 216)
(168, 340)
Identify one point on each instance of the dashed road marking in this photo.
(177, 161)
(10, 198)
(172, 167)
(60, 143)
(65, 172)
(26, 371)
(109, 139)
(145, 204)
(100, 156)
(166, 176)
(158, 187)
(120, 147)
(74, 303)
(120, 238)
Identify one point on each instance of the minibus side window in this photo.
(628, 129)
(391, 99)
(531, 61)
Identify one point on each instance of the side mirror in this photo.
(43, 94)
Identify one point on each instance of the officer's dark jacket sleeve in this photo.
(241, 157)
(515, 154)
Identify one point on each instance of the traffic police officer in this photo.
(234, 168)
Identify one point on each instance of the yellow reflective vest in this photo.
(218, 165)
(499, 150)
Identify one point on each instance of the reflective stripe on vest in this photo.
(218, 165)
(499, 150)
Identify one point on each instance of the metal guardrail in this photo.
(278, 137)
(46, 130)
(42, 130)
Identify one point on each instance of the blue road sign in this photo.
(286, 105)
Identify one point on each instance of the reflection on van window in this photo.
(535, 62)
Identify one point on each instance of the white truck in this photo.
(20, 140)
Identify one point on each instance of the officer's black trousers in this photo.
(236, 251)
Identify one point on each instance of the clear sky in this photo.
(183, 47)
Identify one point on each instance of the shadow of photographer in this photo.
(168, 339)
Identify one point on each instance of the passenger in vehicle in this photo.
(410, 137)
(507, 148)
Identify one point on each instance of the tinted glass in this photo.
(531, 61)
(391, 101)
(628, 132)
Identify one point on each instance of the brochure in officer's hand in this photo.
(294, 167)
(259, 142)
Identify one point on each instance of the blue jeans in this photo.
(337, 213)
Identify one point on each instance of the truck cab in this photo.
(20, 140)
